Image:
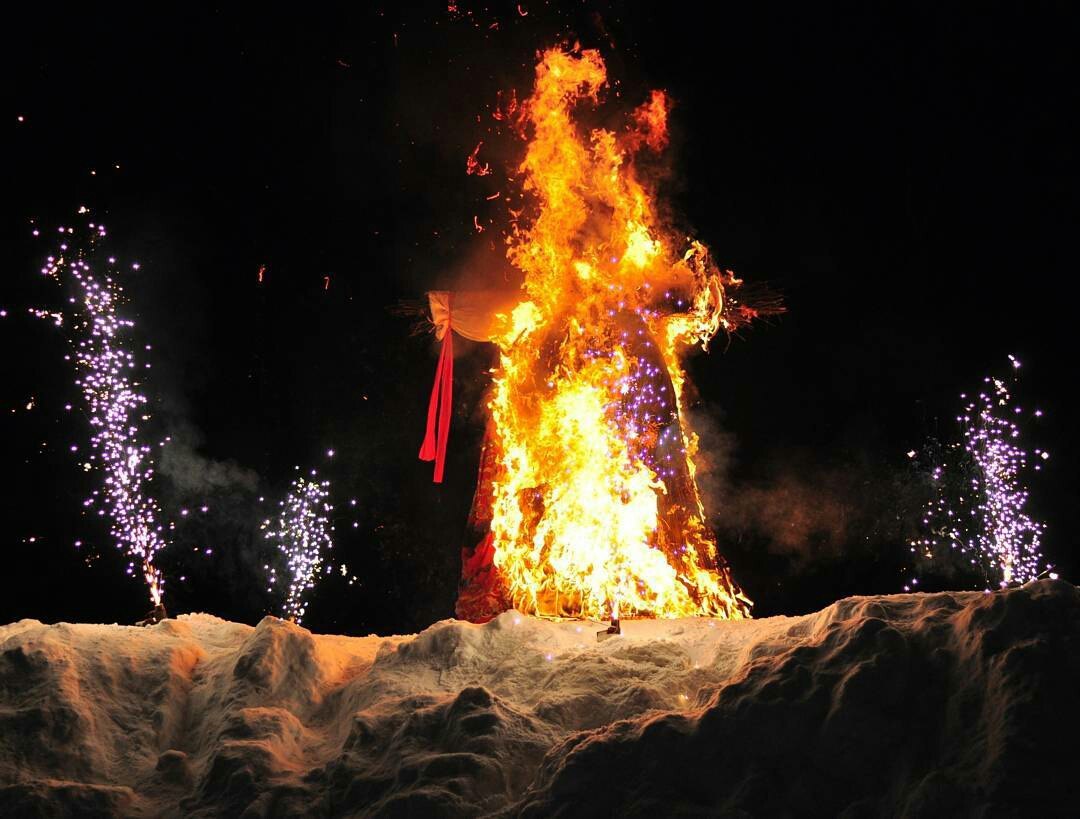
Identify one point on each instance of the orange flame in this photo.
(596, 508)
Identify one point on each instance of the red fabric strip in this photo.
(440, 405)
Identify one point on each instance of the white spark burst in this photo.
(303, 533)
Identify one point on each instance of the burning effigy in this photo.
(587, 503)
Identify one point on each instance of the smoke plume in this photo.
(193, 473)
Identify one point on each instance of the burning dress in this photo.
(586, 503)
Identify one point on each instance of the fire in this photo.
(596, 508)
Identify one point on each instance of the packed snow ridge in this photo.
(920, 705)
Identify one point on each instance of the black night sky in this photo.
(905, 178)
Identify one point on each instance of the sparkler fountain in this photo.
(302, 533)
(107, 367)
(980, 500)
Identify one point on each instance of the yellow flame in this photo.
(595, 507)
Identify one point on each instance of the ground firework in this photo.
(107, 371)
(303, 533)
(980, 496)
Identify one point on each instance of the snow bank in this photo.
(920, 705)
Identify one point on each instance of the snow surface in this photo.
(919, 705)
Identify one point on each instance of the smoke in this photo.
(806, 515)
(716, 451)
(217, 552)
(194, 474)
(801, 505)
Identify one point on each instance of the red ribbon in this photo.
(441, 404)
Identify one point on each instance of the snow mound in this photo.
(920, 705)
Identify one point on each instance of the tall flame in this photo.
(596, 507)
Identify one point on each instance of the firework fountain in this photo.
(980, 499)
(303, 534)
(107, 369)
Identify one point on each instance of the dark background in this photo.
(905, 177)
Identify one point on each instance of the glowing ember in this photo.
(106, 367)
(979, 506)
(472, 163)
(303, 534)
(596, 508)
